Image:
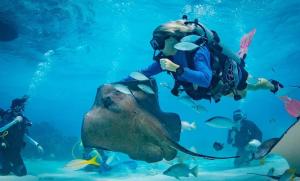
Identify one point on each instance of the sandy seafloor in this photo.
(208, 170)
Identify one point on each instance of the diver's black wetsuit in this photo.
(247, 132)
(11, 144)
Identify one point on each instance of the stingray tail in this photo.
(273, 177)
(184, 150)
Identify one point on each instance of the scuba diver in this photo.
(200, 65)
(245, 136)
(13, 134)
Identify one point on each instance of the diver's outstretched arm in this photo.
(34, 143)
(15, 121)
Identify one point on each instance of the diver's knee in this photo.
(4, 172)
(20, 171)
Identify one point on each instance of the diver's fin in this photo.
(245, 43)
(184, 150)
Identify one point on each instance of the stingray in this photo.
(133, 124)
(287, 146)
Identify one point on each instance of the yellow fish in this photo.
(80, 163)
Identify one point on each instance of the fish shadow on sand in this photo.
(133, 124)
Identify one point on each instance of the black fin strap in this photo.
(175, 90)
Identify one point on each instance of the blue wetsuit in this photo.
(201, 75)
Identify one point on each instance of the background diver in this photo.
(13, 134)
(245, 136)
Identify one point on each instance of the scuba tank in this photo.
(212, 38)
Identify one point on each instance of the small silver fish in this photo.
(146, 88)
(181, 170)
(185, 125)
(220, 122)
(138, 76)
(185, 99)
(190, 38)
(166, 85)
(185, 46)
(199, 108)
(122, 88)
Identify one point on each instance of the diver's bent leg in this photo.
(4, 163)
(19, 168)
(261, 83)
(238, 162)
(244, 159)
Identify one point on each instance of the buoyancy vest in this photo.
(194, 91)
(13, 137)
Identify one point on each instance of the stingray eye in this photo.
(116, 92)
(107, 102)
(110, 105)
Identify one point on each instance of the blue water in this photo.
(66, 49)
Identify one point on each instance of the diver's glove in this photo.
(19, 119)
(40, 149)
(277, 85)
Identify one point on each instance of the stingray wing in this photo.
(289, 146)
